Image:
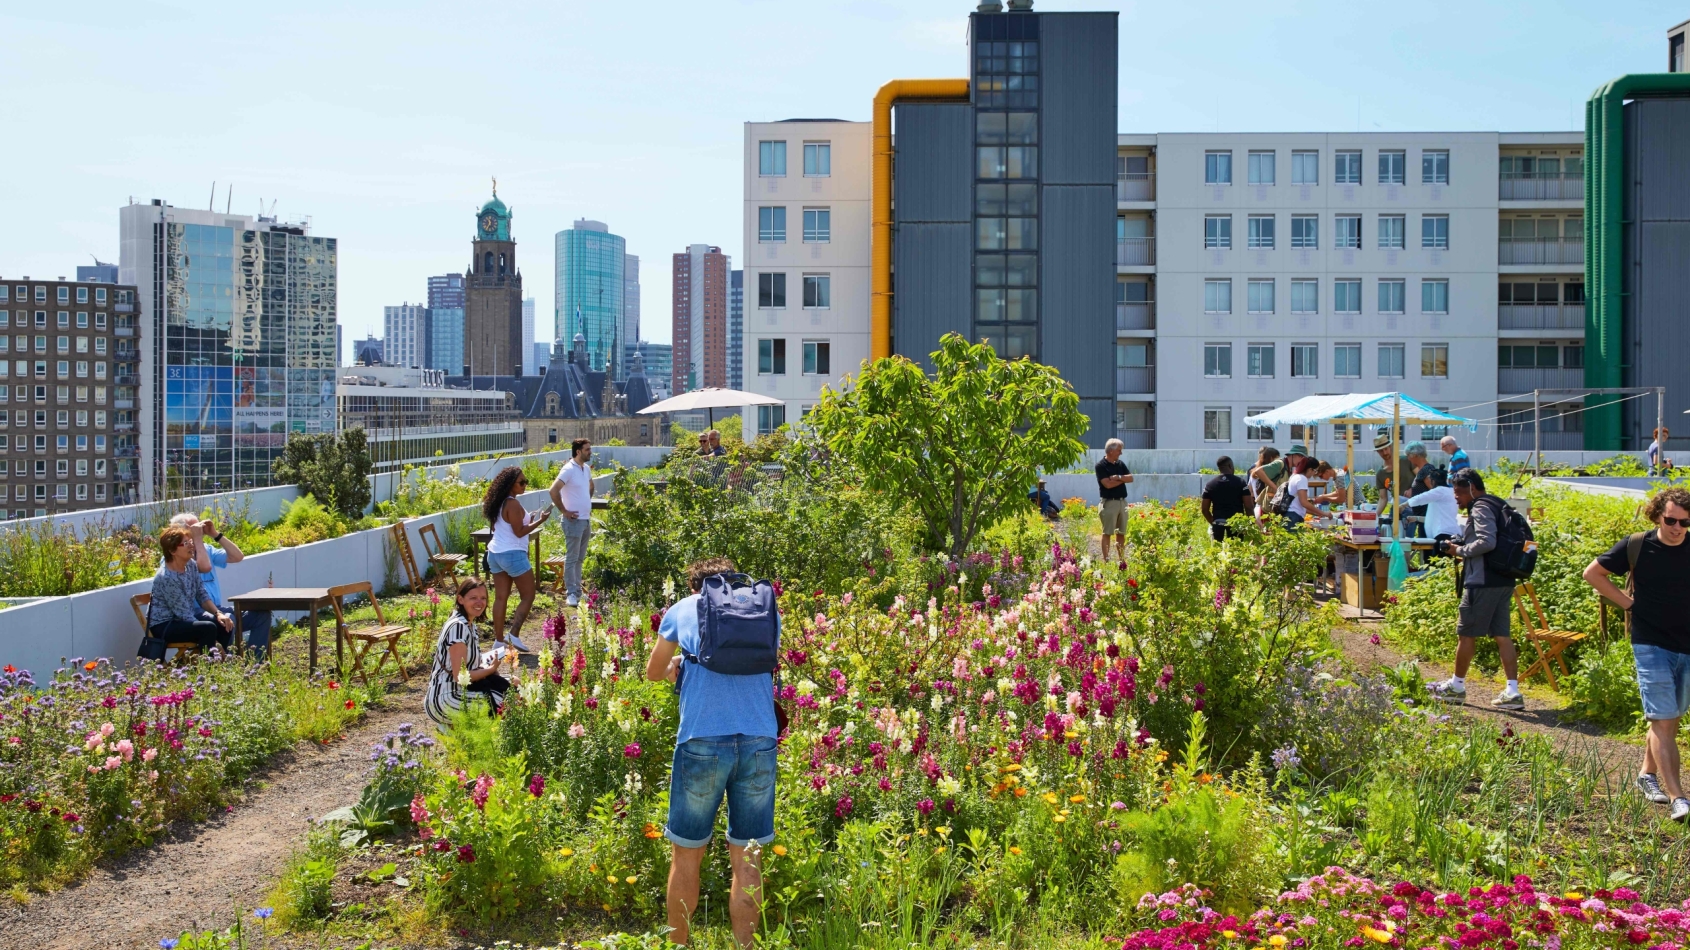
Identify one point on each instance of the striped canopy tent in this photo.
(1351, 409)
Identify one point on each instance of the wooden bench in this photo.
(1549, 643)
(438, 556)
(184, 651)
(365, 638)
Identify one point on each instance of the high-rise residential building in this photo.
(630, 299)
(405, 335)
(588, 293)
(67, 396)
(530, 366)
(805, 287)
(97, 273)
(736, 330)
(446, 323)
(493, 296)
(339, 344)
(699, 315)
(238, 318)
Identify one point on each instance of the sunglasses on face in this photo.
(1677, 522)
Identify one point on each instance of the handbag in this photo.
(152, 648)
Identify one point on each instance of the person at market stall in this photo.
(210, 558)
(1383, 483)
(1338, 481)
(1487, 598)
(1259, 486)
(1426, 477)
(1274, 473)
(181, 611)
(1443, 517)
(1457, 455)
(1113, 477)
(1657, 562)
(1298, 486)
(459, 673)
(1224, 496)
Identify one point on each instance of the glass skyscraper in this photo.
(588, 292)
(239, 343)
(446, 324)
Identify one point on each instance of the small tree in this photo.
(961, 447)
(333, 469)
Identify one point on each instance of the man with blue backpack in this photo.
(720, 648)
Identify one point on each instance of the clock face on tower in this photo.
(489, 223)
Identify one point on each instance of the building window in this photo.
(1217, 168)
(99, 295)
(1217, 360)
(1346, 296)
(1260, 296)
(1434, 296)
(100, 320)
(1261, 231)
(770, 418)
(1346, 230)
(817, 292)
(771, 225)
(1305, 168)
(1391, 167)
(771, 357)
(818, 358)
(1305, 360)
(1434, 360)
(82, 319)
(1346, 167)
(1133, 355)
(1258, 361)
(1434, 167)
(818, 159)
(81, 295)
(1346, 360)
(64, 295)
(1217, 230)
(1305, 295)
(1016, 161)
(1391, 360)
(1391, 228)
(1217, 424)
(771, 159)
(1391, 296)
(1305, 230)
(771, 291)
(1261, 168)
(1434, 230)
(1254, 433)
(818, 225)
(1217, 295)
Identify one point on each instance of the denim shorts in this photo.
(514, 563)
(1663, 679)
(740, 767)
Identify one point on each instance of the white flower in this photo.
(938, 702)
(1006, 685)
(1029, 774)
(631, 784)
(806, 687)
(1050, 703)
(668, 589)
(463, 676)
(530, 690)
(565, 703)
(950, 787)
(607, 670)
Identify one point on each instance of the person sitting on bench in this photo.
(181, 611)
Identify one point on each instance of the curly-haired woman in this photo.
(507, 552)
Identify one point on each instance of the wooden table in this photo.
(484, 536)
(1361, 548)
(307, 599)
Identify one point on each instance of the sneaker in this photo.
(1651, 788)
(1680, 809)
(515, 643)
(1509, 699)
(1447, 691)
(573, 601)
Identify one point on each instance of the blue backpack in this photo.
(738, 628)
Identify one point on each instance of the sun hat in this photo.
(1297, 448)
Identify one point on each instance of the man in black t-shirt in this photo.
(1224, 496)
(1112, 478)
(1658, 615)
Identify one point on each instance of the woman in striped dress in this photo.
(459, 650)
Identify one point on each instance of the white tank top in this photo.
(504, 538)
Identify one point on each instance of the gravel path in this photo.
(202, 874)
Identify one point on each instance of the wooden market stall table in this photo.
(306, 599)
(1359, 588)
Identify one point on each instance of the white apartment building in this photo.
(1254, 269)
(806, 283)
(404, 334)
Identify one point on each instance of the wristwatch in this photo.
(218, 537)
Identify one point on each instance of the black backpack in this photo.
(1515, 554)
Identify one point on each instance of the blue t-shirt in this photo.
(716, 704)
(1458, 461)
(208, 579)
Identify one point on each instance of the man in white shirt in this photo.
(572, 493)
(1443, 515)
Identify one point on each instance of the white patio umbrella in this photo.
(710, 399)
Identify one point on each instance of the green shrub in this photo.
(1603, 687)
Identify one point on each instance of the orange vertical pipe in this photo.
(880, 233)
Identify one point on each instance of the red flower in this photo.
(537, 785)
(333, 685)
(71, 818)
(350, 704)
(631, 750)
(8, 668)
(466, 854)
(441, 844)
(1132, 582)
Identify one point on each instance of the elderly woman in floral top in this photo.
(181, 611)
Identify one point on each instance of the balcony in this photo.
(1135, 379)
(1525, 316)
(124, 427)
(126, 380)
(1135, 186)
(125, 308)
(124, 331)
(1135, 316)
(1541, 189)
(1512, 439)
(1137, 438)
(1140, 251)
(1540, 252)
(127, 451)
(1515, 380)
(123, 403)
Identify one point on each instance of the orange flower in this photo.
(90, 665)
(1020, 793)
(651, 831)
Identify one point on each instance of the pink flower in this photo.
(483, 787)
(106, 729)
(419, 810)
(925, 806)
(842, 807)
(126, 749)
(149, 755)
(466, 854)
(631, 750)
(113, 761)
(537, 785)
(577, 730)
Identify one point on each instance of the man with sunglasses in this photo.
(1657, 563)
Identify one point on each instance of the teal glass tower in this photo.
(589, 290)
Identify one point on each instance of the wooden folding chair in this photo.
(184, 651)
(402, 543)
(438, 556)
(364, 638)
(556, 565)
(1549, 643)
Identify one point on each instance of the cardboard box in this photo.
(1364, 591)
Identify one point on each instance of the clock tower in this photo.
(493, 296)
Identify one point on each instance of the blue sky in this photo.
(383, 122)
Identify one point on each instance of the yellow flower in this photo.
(1069, 734)
(1573, 896)
(1012, 767)
(1050, 798)
(1277, 940)
(1059, 819)
(630, 879)
(1374, 933)
(944, 830)
(1230, 934)
(1076, 799)
(779, 849)
(606, 907)
(921, 831)
(939, 850)
(611, 879)
(566, 852)
(1014, 850)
